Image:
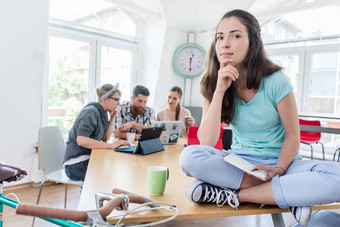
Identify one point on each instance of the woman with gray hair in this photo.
(92, 129)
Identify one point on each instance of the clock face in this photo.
(189, 60)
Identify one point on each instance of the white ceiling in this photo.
(198, 16)
(202, 15)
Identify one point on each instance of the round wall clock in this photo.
(188, 60)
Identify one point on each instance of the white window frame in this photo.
(309, 52)
(124, 46)
(305, 54)
(95, 41)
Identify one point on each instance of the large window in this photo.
(308, 47)
(323, 83)
(90, 44)
(68, 80)
(116, 67)
(318, 22)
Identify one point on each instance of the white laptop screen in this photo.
(171, 131)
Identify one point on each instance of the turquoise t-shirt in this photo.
(258, 129)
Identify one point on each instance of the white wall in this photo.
(156, 71)
(167, 77)
(204, 39)
(23, 34)
(151, 48)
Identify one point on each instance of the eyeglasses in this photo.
(114, 99)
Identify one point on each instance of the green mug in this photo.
(157, 177)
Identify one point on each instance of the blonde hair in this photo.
(105, 88)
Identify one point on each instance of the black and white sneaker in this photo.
(201, 192)
(301, 214)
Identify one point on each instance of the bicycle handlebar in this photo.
(74, 215)
(139, 199)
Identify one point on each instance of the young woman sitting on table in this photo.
(92, 129)
(243, 88)
(175, 112)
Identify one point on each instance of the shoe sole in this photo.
(192, 188)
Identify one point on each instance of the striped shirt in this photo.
(124, 115)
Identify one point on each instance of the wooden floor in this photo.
(53, 196)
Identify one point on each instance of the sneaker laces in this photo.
(221, 196)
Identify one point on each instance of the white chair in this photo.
(51, 149)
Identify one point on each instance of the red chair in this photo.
(193, 140)
(310, 138)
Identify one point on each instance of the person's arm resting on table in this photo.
(89, 143)
(122, 130)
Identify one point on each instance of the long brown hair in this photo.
(256, 63)
(178, 107)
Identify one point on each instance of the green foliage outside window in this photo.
(67, 91)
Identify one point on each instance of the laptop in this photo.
(148, 142)
(171, 131)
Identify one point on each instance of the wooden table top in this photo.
(109, 169)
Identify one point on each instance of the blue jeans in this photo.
(306, 183)
(77, 171)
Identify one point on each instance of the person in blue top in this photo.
(243, 88)
(92, 129)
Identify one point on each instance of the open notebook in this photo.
(244, 165)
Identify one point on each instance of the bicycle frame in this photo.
(119, 201)
(12, 203)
